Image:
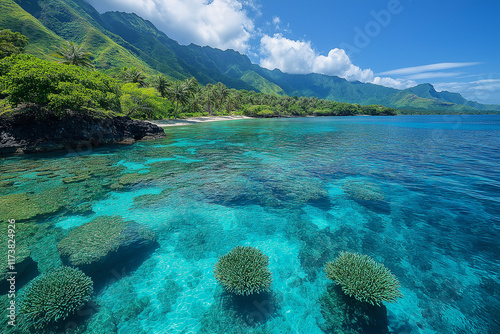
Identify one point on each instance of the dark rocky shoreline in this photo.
(31, 133)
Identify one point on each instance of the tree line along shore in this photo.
(70, 83)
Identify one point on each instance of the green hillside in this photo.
(406, 99)
(167, 56)
(70, 20)
(42, 40)
(427, 91)
(263, 85)
(119, 40)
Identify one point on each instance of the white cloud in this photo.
(287, 55)
(222, 24)
(394, 83)
(427, 68)
(430, 75)
(298, 57)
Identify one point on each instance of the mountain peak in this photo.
(426, 86)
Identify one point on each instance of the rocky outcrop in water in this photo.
(30, 133)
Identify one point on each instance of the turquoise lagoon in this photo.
(420, 194)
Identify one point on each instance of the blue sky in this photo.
(454, 45)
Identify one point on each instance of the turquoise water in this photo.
(420, 194)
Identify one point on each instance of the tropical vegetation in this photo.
(73, 54)
(51, 86)
(72, 84)
(11, 43)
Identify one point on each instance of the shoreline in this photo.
(195, 120)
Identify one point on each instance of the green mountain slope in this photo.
(42, 40)
(259, 82)
(405, 99)
(167, 56)
(122, 39)
(428, 91)
(74, 20)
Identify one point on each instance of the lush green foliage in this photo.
(54, 296)
(144, 103)
(162, 85)
(42, 40)
(27, 79)
(133, 75)
(244, 271)
(364, 279)
(73, 54)
(260, 111)
(57, 87)
(11, 43)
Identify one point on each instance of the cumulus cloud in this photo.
(223, 24)
(394, 83)
(299, 57)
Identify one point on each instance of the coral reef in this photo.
(363, 190)
(244, 271)
(364, 279)
(54, 296)
(24, 206)
(99, 243)
(129, 179)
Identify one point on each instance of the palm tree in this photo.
(237, 98)
(73, 54)
(221, 93)
(179, 95)
(134, 75)
(209, 97)
(192, 85)
(196, 95)
(162, 85)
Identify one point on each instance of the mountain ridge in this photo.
(119, 39)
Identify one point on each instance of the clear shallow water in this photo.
(420, 194)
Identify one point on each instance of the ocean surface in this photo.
(420, 194)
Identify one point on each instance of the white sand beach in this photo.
(196, 120)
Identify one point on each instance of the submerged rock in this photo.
(106, 246)
(29, 133)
